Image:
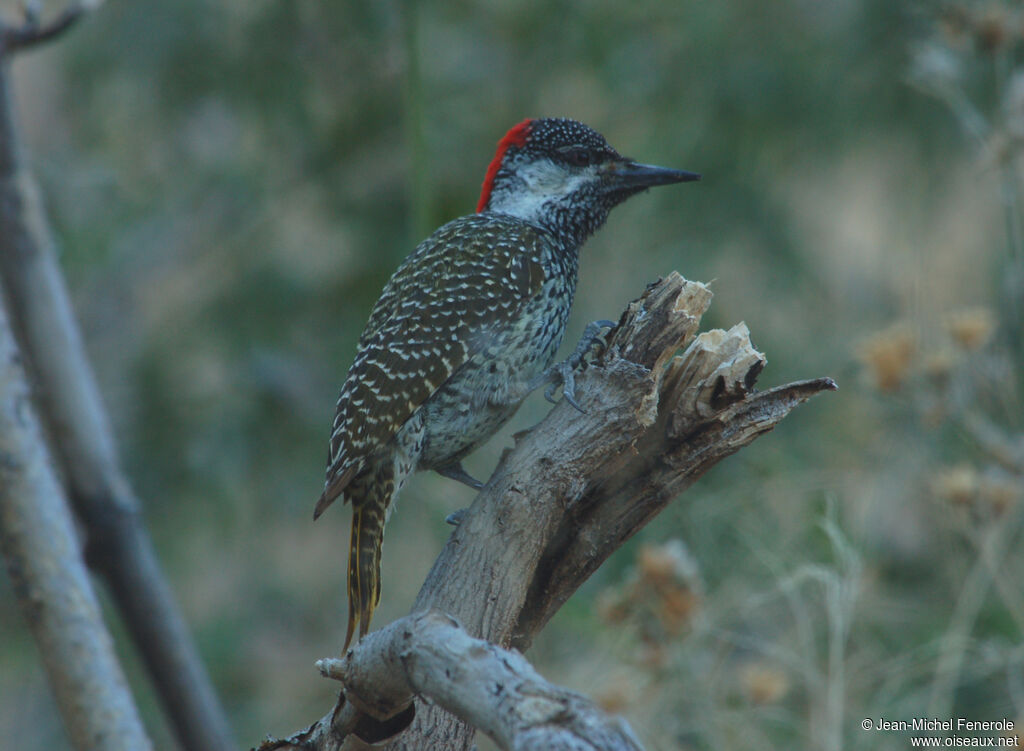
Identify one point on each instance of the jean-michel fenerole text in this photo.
(930, 723)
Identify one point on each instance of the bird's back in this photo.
(479, 304)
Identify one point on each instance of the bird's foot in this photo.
(455, 518)
(458, 473)
(563, 373)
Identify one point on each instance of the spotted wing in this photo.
(471, 277)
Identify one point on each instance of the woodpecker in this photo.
(468, 326)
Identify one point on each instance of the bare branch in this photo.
(496, 690)
(117, 544)
(42, 556)
(31, 32)
(577, 486)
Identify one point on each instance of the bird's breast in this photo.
(475, 402)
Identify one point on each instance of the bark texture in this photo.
(74, 418)
(44, 562)
(496, 690)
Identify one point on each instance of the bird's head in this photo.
(562, 175)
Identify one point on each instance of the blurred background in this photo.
(232, 183)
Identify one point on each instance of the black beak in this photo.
(639, 176)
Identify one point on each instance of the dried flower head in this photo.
(618, 693)
(958, 485)
(763, 683)
(1000, 492)
(971, 328)
(888, 356)
(661, 595)
(992, 29)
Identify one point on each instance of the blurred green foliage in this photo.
(232, 183)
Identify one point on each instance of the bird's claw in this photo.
(455, 518)
(549, 393)
(563, 373)
(458, 473)
(572, 400)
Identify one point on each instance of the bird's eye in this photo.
(580, 157)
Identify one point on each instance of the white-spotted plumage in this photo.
(466, 326)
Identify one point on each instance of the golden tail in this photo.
(364, 567)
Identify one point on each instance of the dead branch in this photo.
(117, 543)
(496, 690)
(32, 31)
(42, 554)
(577, 486)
